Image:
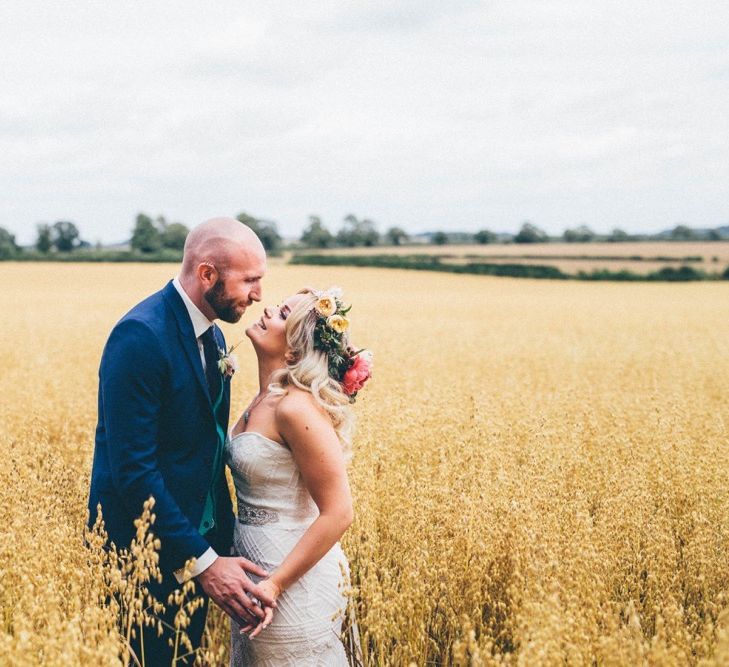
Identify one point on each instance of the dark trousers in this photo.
(154, 651)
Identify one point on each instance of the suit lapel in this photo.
(225, 408)
(187, 337)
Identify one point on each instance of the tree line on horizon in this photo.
(158, 237)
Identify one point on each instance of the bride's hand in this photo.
(274, 590)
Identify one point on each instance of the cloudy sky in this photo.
(425, 114)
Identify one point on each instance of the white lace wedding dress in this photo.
(274, 510)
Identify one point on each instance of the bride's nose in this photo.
(266, 312)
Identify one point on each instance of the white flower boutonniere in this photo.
(227, 362)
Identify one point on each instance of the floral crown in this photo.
(350, 367)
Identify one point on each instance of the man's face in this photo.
(237, 288)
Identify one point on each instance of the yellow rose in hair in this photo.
(326, 305)
(338, 323)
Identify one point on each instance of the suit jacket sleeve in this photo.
(133, 376)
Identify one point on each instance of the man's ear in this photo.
(207, 274)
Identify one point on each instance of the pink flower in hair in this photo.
(357, 374)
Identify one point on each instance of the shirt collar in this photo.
(200, 323)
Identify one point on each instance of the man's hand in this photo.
(226, 582)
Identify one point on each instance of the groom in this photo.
(163, 418)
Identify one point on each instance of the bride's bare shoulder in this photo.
(299, 406)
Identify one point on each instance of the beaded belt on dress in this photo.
(255, 516)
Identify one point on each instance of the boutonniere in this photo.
(227, 361)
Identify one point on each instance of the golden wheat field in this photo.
(541, 469)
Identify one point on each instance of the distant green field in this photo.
(662, 261)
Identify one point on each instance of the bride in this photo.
(287, 454)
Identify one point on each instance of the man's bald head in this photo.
(218, 241)
(222, 267)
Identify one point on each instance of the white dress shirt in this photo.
(200, 324)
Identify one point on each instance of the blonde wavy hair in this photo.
(308, 369)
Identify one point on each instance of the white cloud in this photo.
(427, 115)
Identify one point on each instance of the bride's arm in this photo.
(309, 433)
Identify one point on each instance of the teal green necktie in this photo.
(213, 376)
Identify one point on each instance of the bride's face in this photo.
(268, 335)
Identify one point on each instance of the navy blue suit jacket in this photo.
(156, 432)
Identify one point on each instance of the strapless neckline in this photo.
(232, 437)
(268, 482)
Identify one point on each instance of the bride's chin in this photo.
(254, 336)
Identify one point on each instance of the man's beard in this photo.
(221, 303)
